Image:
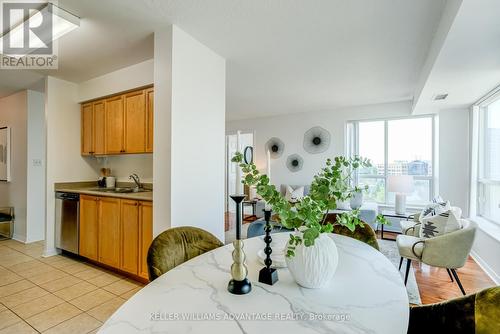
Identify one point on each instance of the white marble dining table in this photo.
(366, 295)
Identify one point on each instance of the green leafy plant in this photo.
(308, 215)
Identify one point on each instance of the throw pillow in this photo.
(434, 209)
(293, 195)
(438, 199)
(439, 224)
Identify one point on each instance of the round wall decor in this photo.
(294, 163)
(316, 140)
(276, 147)
(248, 155)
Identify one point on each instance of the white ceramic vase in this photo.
(313, 267)
(356, 200)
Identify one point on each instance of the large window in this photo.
(488, 194)
(395, 147)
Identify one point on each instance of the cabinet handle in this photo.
(136, 204)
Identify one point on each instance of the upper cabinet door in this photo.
(150, 99)
(135, 122)
(99, 127)
(114, 125)
(87, 129)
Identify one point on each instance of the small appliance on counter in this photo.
(102, 180)
(110, 181)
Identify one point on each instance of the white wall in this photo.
(13, 114)
(198, 136)
(487, 247)
(188, 162)
(123, 165)
(127, 78)
(291, 129)
(454, 157)
(63, 160)
(35, 230)
(162, 130)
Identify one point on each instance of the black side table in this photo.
(253, 204)
(392, 214)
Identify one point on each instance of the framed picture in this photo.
(5, 154)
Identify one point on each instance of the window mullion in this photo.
(386, 159)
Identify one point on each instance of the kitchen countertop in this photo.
(89, 188)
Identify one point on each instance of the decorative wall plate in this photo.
(294, 163)
(248, 155)
(316, 140)
(276, 147)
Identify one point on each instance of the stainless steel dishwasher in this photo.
(67, 221)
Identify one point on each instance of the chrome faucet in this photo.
(136, 179)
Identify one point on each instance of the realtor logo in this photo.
(28, 40)
(29, 29)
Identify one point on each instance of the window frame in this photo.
(353, 149)
(479, 181)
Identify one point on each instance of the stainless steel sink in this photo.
(123, 190)
(129, 190)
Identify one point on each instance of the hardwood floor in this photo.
(434, 283)
(229, 220)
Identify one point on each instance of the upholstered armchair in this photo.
(449, 251)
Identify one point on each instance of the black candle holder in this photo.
(267, 274)
(239, 284)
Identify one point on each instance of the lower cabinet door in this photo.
(88, 227)
(130, 236)
(146, 236)
(109, 231)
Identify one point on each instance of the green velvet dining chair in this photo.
(478, 313)
(363, 233)
(176, 246)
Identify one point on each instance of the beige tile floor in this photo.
(57, 294)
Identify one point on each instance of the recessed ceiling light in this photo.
(440, 97)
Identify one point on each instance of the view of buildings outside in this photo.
(409, 152)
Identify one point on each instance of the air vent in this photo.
(440, 97)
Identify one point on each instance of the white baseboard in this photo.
(486, 268)
(19, 238)
(51, 252)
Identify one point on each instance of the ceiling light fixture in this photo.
(62, 21)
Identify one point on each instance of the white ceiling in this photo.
(468, 64)
(283, 56)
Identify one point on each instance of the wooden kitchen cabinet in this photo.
(150, 104)
(88, 227)
(99, 131)
(116, 232)
(93, 121)
(114, 128)
(137, 235)
(135, 122)
(145, 236)
(87, 129)
(109, 231)
(119, 124)
(130, 236)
